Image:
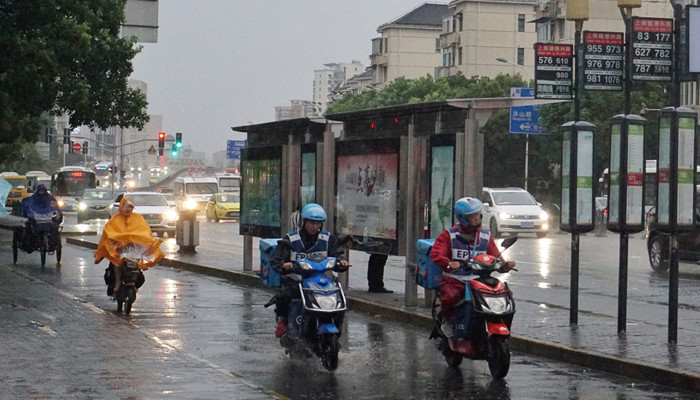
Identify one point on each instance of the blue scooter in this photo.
(316, 319)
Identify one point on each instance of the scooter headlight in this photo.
(496, 304)
(326, 302)
(61, 203)
(305, 265)
(190, 204)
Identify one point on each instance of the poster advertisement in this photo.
(261, 193)
(686, 186)
(635, 174)
(565, 176)
(308, 178)
(664, 171)
(367, 201)
(584, 178)
(614, 198)
(441, 191)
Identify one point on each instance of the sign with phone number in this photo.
(553, 71)
(652, 49)
(602, 55)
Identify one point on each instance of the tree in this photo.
(65, 57)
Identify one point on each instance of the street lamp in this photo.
(526, 75)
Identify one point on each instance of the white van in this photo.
(229, 183)
(194, 192)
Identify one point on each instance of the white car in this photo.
(161, 216)
(512, 211)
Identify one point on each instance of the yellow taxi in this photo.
(20, 188)
(224, 206)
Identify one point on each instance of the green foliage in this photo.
(65, 57)
(406, 91)
(25, 157)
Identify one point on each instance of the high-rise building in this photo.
(328, 80)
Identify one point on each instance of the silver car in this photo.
(160, 216)
(512, 211)
(94, 204)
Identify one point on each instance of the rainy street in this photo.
(191, 336)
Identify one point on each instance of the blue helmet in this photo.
(466, 206)
(313, 212)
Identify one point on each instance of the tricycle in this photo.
(41, 232)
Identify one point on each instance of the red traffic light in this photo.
(161, 135)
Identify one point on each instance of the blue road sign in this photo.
(525, 119)
(233, 149)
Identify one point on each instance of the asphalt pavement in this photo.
(643, 352)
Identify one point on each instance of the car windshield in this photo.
(513, 199)
(148, 200)
(169, 197)
(201, 188)
(228, 198)
(96, 195)
(16, 182)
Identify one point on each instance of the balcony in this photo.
(378, 59)
(449, 39)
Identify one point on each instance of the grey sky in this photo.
(222, 63)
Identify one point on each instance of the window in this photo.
(460, 19)
(561, 28)
(459, 56)
(521, 56)
(437, 45)
(521, 22)
(544, 32)
(386, 45)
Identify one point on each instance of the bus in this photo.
(194, 192)
(69, 183)
(229, 182)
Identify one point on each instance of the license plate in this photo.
(527, 224)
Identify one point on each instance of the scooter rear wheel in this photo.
(499, 356)
(44, 248)
(130, 296)
(15, 246)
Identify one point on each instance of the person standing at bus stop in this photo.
(375, 273)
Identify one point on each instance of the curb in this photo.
(602, 362)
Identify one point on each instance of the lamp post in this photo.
(527, 136)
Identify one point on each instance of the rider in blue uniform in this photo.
(306, 242)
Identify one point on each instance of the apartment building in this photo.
(409, 45)
(296, 109)
(329, 79)
(478, 33)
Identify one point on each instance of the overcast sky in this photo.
(224, 63)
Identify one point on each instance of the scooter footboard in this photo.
(497, 328)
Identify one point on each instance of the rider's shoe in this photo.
(281, 328)
(447, 328)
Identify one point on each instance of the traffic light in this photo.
(85, 147)
(178, 140)
(70, 146)
(161, 143)
(174, 151)
(66, 136)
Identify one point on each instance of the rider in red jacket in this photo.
(448, 250)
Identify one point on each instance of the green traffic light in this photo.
(174, 153)
(178, 144)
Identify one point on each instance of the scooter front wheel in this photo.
(329, 356)
(499, 356)
(130, 297)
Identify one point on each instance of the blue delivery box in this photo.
(268, 276)
(427, 274)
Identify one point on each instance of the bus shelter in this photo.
(282, 169)
(387, 176)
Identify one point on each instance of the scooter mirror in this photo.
(509, 242)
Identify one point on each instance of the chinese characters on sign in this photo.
(652, 49)
(553, 71)
(602, 55)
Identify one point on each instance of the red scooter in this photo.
(490, 316)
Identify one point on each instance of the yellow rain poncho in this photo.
(121, 231)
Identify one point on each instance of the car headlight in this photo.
(504, 215)
(61, 203)
(544, 216)
(220, 207)
(170, 216)
(190, 204)
(496, 304)
(81, 206)
(305, 265)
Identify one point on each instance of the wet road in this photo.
(197, 337)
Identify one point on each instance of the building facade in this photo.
(409, 45)
(328, 80)
(297, 109)
(478, 33)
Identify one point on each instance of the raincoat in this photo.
(42, 202)
(122, 233)
(5, 187)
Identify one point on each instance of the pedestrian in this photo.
(308, 241)
(448, 250)
(375, 273)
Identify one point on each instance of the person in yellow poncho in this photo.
(122, 229)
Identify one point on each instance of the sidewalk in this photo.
(544, 331)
